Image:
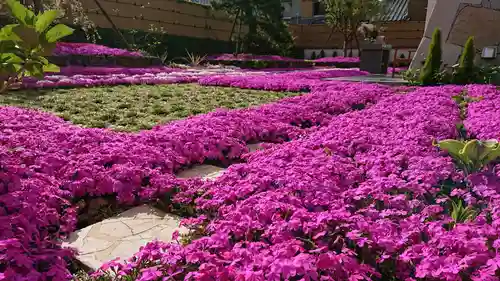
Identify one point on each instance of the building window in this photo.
(319, 8)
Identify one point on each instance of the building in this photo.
(404, 21)
(459, 19)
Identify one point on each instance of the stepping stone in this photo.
(201, 171)
(122, 236)
(254, 147)
(375, 78)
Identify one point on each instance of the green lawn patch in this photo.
(133, 108)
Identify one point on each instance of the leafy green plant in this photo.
(460, 213)
(152, 43)
(313, 55)
(466, 71)
(24, 45)
(194, 60)
(432, 66)
(463, 101)
(471, 155)
(322, 54)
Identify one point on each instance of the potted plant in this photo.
(374, 50)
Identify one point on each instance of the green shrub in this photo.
(23, 45)
(466, 72)
(432, 64)
(313, 55)
(322, 54)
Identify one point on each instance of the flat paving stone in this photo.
(201, 171)
(380, 79)
(254, 147)
(122, 236)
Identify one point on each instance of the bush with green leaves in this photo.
(466, 72)
(430, 71)
(24, 45)
(473, 155)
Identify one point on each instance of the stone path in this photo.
(123, 235)
(380, 79)
(202, 171)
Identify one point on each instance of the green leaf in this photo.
(28, 35)
(57, 32)
(471, 151)
(10, 58)
(44, 20)
(453, 147)
(21, 13)
(47, 49)
(51, 68)
(34, 69)
(492, 156)
(7, 33)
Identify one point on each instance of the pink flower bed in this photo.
(47, 163)
(351, 189)
(88, 49)
(75, 76)
(249, 57)
(289, 81)
(358, 198)
(483, 117)
(338, 59)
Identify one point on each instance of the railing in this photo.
(305, 20)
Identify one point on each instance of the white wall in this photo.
(340, 52)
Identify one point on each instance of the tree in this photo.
(345, 16)
(262, 21)
(72, 8)
(432, 66)
(465, 72)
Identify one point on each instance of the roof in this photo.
(397, 11)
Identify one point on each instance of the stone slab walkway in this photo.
(122, 236)
(380, 79)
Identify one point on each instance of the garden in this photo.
(350, 181)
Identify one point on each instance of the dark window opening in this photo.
(319, 8)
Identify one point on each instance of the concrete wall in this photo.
(459, 19)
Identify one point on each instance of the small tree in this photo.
(465, 72)
(345, 16)
(322, 54)
(313, 55)
(432, 66)
(265, 29)
(72, 8)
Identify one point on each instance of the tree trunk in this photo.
(345, 46)
(234, 25)
(238, 43)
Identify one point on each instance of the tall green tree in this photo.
(465, 72)
(432, 66)
(261, 23)
(345, 16)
